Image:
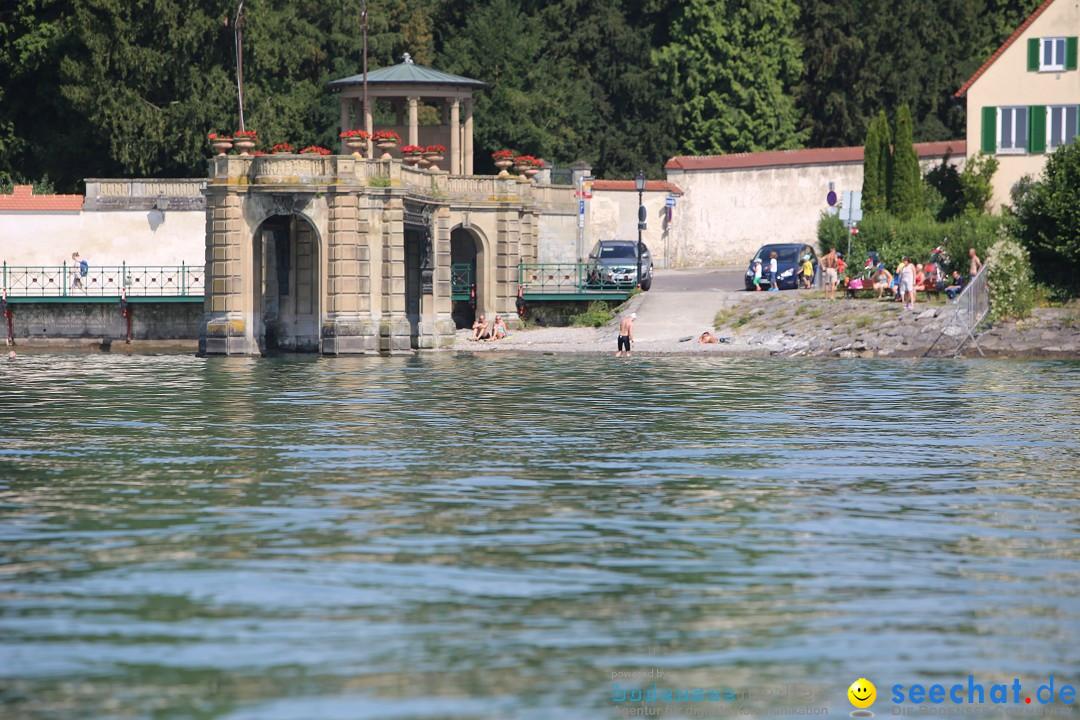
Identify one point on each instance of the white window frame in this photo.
(1062, 110)
(1019, 144)
(1058, 58)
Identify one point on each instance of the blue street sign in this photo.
(670, 202)
(581, 207)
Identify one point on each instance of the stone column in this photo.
(506, 263)
(231, 319)
(455, 137)
(444, 304)
(345, 102)
(348, 327)
(394, 329)
(414, 123)
(368, 125)
(468, 138)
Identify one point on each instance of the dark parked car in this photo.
(789, 257)
(611, 265)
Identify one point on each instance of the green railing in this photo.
(461, 281)
(583, 280)
(104, 281)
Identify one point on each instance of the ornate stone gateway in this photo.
(337, 254)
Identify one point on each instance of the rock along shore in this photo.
(804, 324)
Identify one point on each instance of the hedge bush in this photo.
(916, 238)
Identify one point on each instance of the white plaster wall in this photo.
(726, 215)
(557, 241)
(612, 215)
(104, 238)
(1008, 82)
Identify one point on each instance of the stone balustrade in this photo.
(145, 194)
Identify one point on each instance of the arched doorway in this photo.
(287, 293)
(466, 275)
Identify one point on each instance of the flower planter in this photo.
(504, 166)
(221, 145)
(532, 172)
(386, 146)
(433, 160)
(357, 145)
(411, 160)
(243, 145)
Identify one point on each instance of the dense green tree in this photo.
(860, 56)
(1048, 220)
(905, 194)
(877, 166)
(532, 104)
(731, 65)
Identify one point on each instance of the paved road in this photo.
(684, 302)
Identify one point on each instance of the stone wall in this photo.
(149, 320)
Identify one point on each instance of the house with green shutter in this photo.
(1024, 102)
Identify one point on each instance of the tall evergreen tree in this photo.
(905, 198)
(732, 65)
(873, 182)
(885, 161)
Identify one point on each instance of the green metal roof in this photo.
(407, 73)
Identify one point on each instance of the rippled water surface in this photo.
(494, 537)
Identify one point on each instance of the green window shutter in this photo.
(1033, 55)
(989, 130)
(1037, 129)
(1070, 53)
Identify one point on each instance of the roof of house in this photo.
(812, 156)
(407, 73)
(628, 185)
(1004, 46)
(23, 199)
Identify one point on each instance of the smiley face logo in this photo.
(862, 693)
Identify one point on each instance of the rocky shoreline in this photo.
(792, 324)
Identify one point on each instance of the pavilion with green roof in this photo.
(405, 86)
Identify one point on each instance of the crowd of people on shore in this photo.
(905, 284)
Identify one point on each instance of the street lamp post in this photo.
(639, 183)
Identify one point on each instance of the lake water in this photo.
(497, 537)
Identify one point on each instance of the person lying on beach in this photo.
(480, 329)
(498, 329)
(707, 338)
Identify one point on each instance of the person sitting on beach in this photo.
(882, 280)
(707, 338)
(956, 285)
(480, 329)
(498, 329)
(920, 277)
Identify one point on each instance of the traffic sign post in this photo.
(831, 198)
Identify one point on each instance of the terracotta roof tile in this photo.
(23, 199)
(1004, 46)
(628, 185)
(812, 156)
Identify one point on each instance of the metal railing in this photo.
(966, 313)
(103, 281)
(461, 281)
(573, 279)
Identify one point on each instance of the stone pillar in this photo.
(394, 330)
(345, 102)
(444, 304)
(347, 327)
(455, 137)
(414, 123)
(232, 319)
(506, 263)
(368, 125)
(468, 137)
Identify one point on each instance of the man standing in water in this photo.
(626, 334)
